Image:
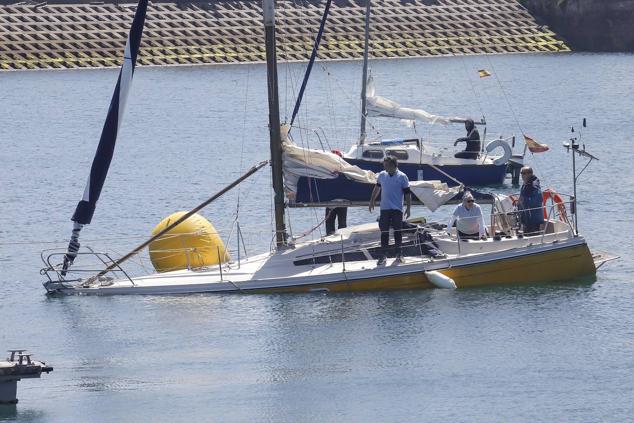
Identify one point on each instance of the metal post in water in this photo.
(13, 370)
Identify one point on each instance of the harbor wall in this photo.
(589, 25)
(81, 34)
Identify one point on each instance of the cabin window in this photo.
(399, 154)
(372, 154)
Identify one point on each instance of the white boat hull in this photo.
(555, 261)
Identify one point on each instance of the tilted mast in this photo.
(268, 11)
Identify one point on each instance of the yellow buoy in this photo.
(192, 244)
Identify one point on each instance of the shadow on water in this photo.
(8, 412)
(13, 412)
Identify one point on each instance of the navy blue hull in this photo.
(311, 190)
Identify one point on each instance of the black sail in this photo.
(105, 150)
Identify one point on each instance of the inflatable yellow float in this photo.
(192, 244)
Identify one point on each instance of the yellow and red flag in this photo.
(484, 73)
(534, 146)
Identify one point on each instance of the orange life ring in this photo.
(549, 194)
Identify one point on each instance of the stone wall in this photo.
(589, 25)
(74, 34)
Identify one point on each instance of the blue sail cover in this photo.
(101, 162)
(86, 207)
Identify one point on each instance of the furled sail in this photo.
(298, 162)
(101, 162)
(382, 107)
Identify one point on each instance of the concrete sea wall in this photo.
(76, 34)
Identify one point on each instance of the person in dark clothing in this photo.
(530, 203)
(335, 213)
(472, 150)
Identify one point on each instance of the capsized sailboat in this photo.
(434, 257)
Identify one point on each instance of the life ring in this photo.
(549, 194)
(508, 152)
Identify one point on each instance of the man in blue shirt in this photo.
(392, 184)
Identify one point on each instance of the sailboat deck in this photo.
(279, 271)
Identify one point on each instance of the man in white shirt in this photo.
(468, 218)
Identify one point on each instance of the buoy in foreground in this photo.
(440, 280)
(192, 244)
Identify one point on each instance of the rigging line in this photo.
(331, 109)
(271, 208)
(495, 75)
(244, 125)
(437, 169)
(291, 71)
(473, 90)
(311, 230)
(8, 243)
(354, 102)
(311, 61)
(331, 106)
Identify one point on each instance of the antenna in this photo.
(574, 147)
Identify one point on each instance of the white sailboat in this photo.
(345, 261)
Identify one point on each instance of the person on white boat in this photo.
(530, 203)
(340, 214)
(472, 149)
(335, 213)
(468, 218)
(393, 185)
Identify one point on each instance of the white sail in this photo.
(298, 162)
(378, 106)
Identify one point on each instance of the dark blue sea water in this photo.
(557, 352)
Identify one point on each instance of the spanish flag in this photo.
(483, 73)
(534, 146)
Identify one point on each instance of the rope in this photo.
(437, 169)
(311, 230)
(351, 101)
(475, 94)
(495, 75)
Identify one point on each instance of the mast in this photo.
(268, 11)
(364, 100)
